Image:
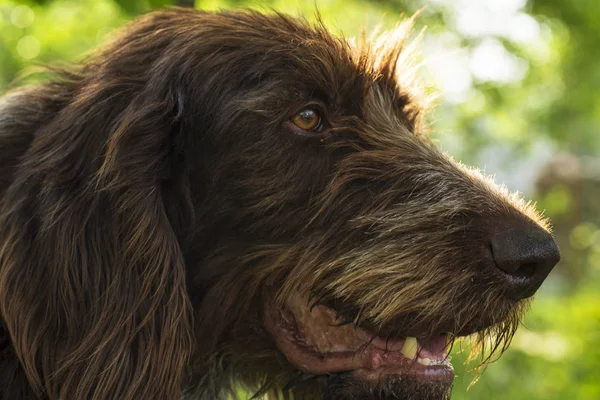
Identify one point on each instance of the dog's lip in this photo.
(413, 323)
(352, 349)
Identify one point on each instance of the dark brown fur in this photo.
(153, 202)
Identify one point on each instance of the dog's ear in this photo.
(92, 276)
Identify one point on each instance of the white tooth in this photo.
(409, 349)
(424, 361)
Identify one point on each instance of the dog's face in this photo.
(275, 181)
(332, 222)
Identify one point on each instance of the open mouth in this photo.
(316, 341)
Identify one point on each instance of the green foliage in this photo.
(504, 121)
(33, 34)
(554, 356)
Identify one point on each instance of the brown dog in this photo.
(234, 199)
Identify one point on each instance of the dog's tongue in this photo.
(434, 348)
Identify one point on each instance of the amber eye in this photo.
(307, 119)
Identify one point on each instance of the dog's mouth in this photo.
(316, 342)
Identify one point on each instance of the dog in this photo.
(237, 200)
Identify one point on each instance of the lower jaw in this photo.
(414, 371)
(387, 385)
(373, 365)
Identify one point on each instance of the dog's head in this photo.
(274, 184)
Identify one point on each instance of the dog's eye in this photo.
(307, 119)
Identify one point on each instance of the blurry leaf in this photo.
(557, 201)
(584, 236)
(133, 6)
(161, 3)
(184, 3)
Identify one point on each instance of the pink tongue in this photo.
(434, 348)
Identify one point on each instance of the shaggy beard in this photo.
(345, 387)
(236, 333)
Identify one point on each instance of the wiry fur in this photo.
(153, 203)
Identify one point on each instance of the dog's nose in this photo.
(525, 256)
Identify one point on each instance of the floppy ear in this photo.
(92, 277)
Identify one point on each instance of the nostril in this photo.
(525, 255)
(526, 270)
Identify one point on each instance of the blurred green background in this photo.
(519, 96)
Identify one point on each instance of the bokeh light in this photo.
(22, 16)
(28, 47)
